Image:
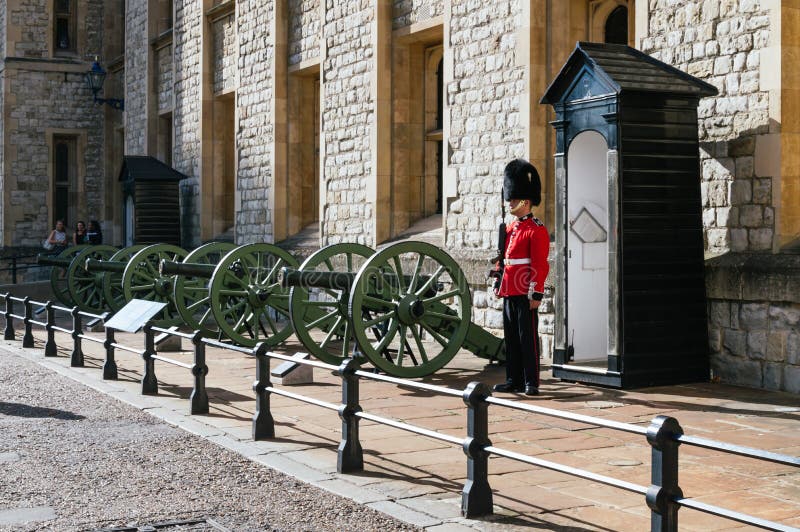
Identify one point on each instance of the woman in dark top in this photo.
(94, 235)
(79, 237)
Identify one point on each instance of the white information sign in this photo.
(134, 315)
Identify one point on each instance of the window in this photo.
(64, 27)
(616, 30)
(64, 179)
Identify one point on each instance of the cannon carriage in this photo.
(405, 309)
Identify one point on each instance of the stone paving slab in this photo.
(418, 479)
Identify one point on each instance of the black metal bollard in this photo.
(27, 339)
(110, 364)
(350, 456)
(9, 331)
(149, 381)
(263, 423)
(476, 497)
(199, 399)
(664, 475)
(50, 348)
(76, 360)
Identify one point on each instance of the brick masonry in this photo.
(348, 119)
(136, 52)
(165, 78)
(408, 12)
(723, 43)
(186, 114)
(304, 30)
(255, 127)
(225, 55)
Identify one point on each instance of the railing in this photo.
(16, 265)
(663, 496)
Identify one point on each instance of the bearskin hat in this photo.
(521, 181)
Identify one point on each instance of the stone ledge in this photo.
(754, 277)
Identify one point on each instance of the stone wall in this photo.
(186, 41)
(348, 119)
(136, 52)
(754, 320)
(484, 100)
(304, 30)
(255, 126)
(723, 43)
(408, 12)
(32, 17)
(224, 31)
(165, 78)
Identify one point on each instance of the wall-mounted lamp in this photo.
(95, 78)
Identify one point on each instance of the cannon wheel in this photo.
(247, 300)
(113, 293)
(190, 294)
(410, 306)
(85, 288)
(319, 315)
(58, 276)
(142, 280)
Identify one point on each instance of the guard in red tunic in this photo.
(524, 269)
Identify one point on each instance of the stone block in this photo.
(735, 341)
(742, 146)
(715, 339)
(762, 191)
(737, 370)
(757, 344)
(738, 239)
(741, 192)
(784, 317)
(793, 348)
(760, 239)
(494, 319)
(791, 379)
(772, 376)
(751, 215)
(776, 346)
(719, 313)
(753, 316)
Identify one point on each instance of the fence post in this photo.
(198, 401)
(50, 348)
(350, 455)
(476, 497)
(664, 474)
(13, 270)
(27, 339)
(110, 364)
(9, 331)
(77, 330)
(149, 381)
(263, 423)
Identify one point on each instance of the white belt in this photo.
(515, 262)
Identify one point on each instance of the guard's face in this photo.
(518, 207)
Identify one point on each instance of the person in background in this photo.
(58, 238)
(94, 234)
(79, 237)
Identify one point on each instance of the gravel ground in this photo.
(99, 463)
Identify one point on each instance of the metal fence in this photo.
(663, 496)
(14, 265)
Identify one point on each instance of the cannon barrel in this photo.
(168, 267)
(289, 277)
(94, 265)
(50, 260)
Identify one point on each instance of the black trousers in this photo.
(521, 328)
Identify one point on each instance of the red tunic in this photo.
(526, 267)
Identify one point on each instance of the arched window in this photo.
(616, 29)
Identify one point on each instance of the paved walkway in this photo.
(418, 480)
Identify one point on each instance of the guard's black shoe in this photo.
(531, 390)
(507, 387)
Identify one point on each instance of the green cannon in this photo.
(236, 296)
(132, 273)
(406, 308)
(71, 284)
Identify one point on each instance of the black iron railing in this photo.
(16, 264)
(664, 435)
